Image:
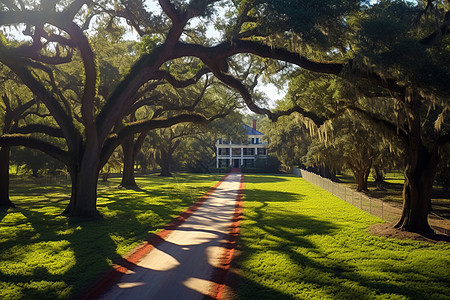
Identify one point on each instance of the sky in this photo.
(272, 93)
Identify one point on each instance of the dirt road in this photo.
(181, 266)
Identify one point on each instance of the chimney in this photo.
(254, 124)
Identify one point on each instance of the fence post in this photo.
(361, 200)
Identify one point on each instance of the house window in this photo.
(236, 151)
(262, 151)
(249, 151)
(257, 140)
(253, 140)
(224, 163)
(224, 151)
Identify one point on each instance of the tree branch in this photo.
(161, 74)
(33, 51)
(61, 117)
(393, 128)
(212, 55)
(436, 37)
(13, 115)
(75, 7)
(61, 21)
(114, 140)
(170, 10)
(90, 73)
(143, 102)
(47, 148)
(229, 80)
(139, 142)
(39, 128)
(141, 72)
(190, 107)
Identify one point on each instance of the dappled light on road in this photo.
(182, 265)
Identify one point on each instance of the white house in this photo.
(236, 155)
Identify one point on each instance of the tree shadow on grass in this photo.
(154, 192)
(135, 188)
(126, 208)
(91, 242)
(265, 196)
(3, 212)
(169, 201)
(240, 287)
(280, 239)
(266, 178)
(55, 241)
(283, 253)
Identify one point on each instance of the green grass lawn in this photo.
(44, 255)
(300, 242)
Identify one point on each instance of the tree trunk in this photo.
(84, 177)
(362, 185)
(105, 176)
(142, 161)
(165, 164)
(5, 202)
(378, 175)
(419, 177)
(361, 177)
(165, 170)
(128, 179)
(446, 186)
(325, 172)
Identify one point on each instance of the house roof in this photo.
(251, 131)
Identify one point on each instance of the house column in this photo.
(217, 157)
(242, 156)
(230, 163)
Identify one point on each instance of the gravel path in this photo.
(182, 265)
